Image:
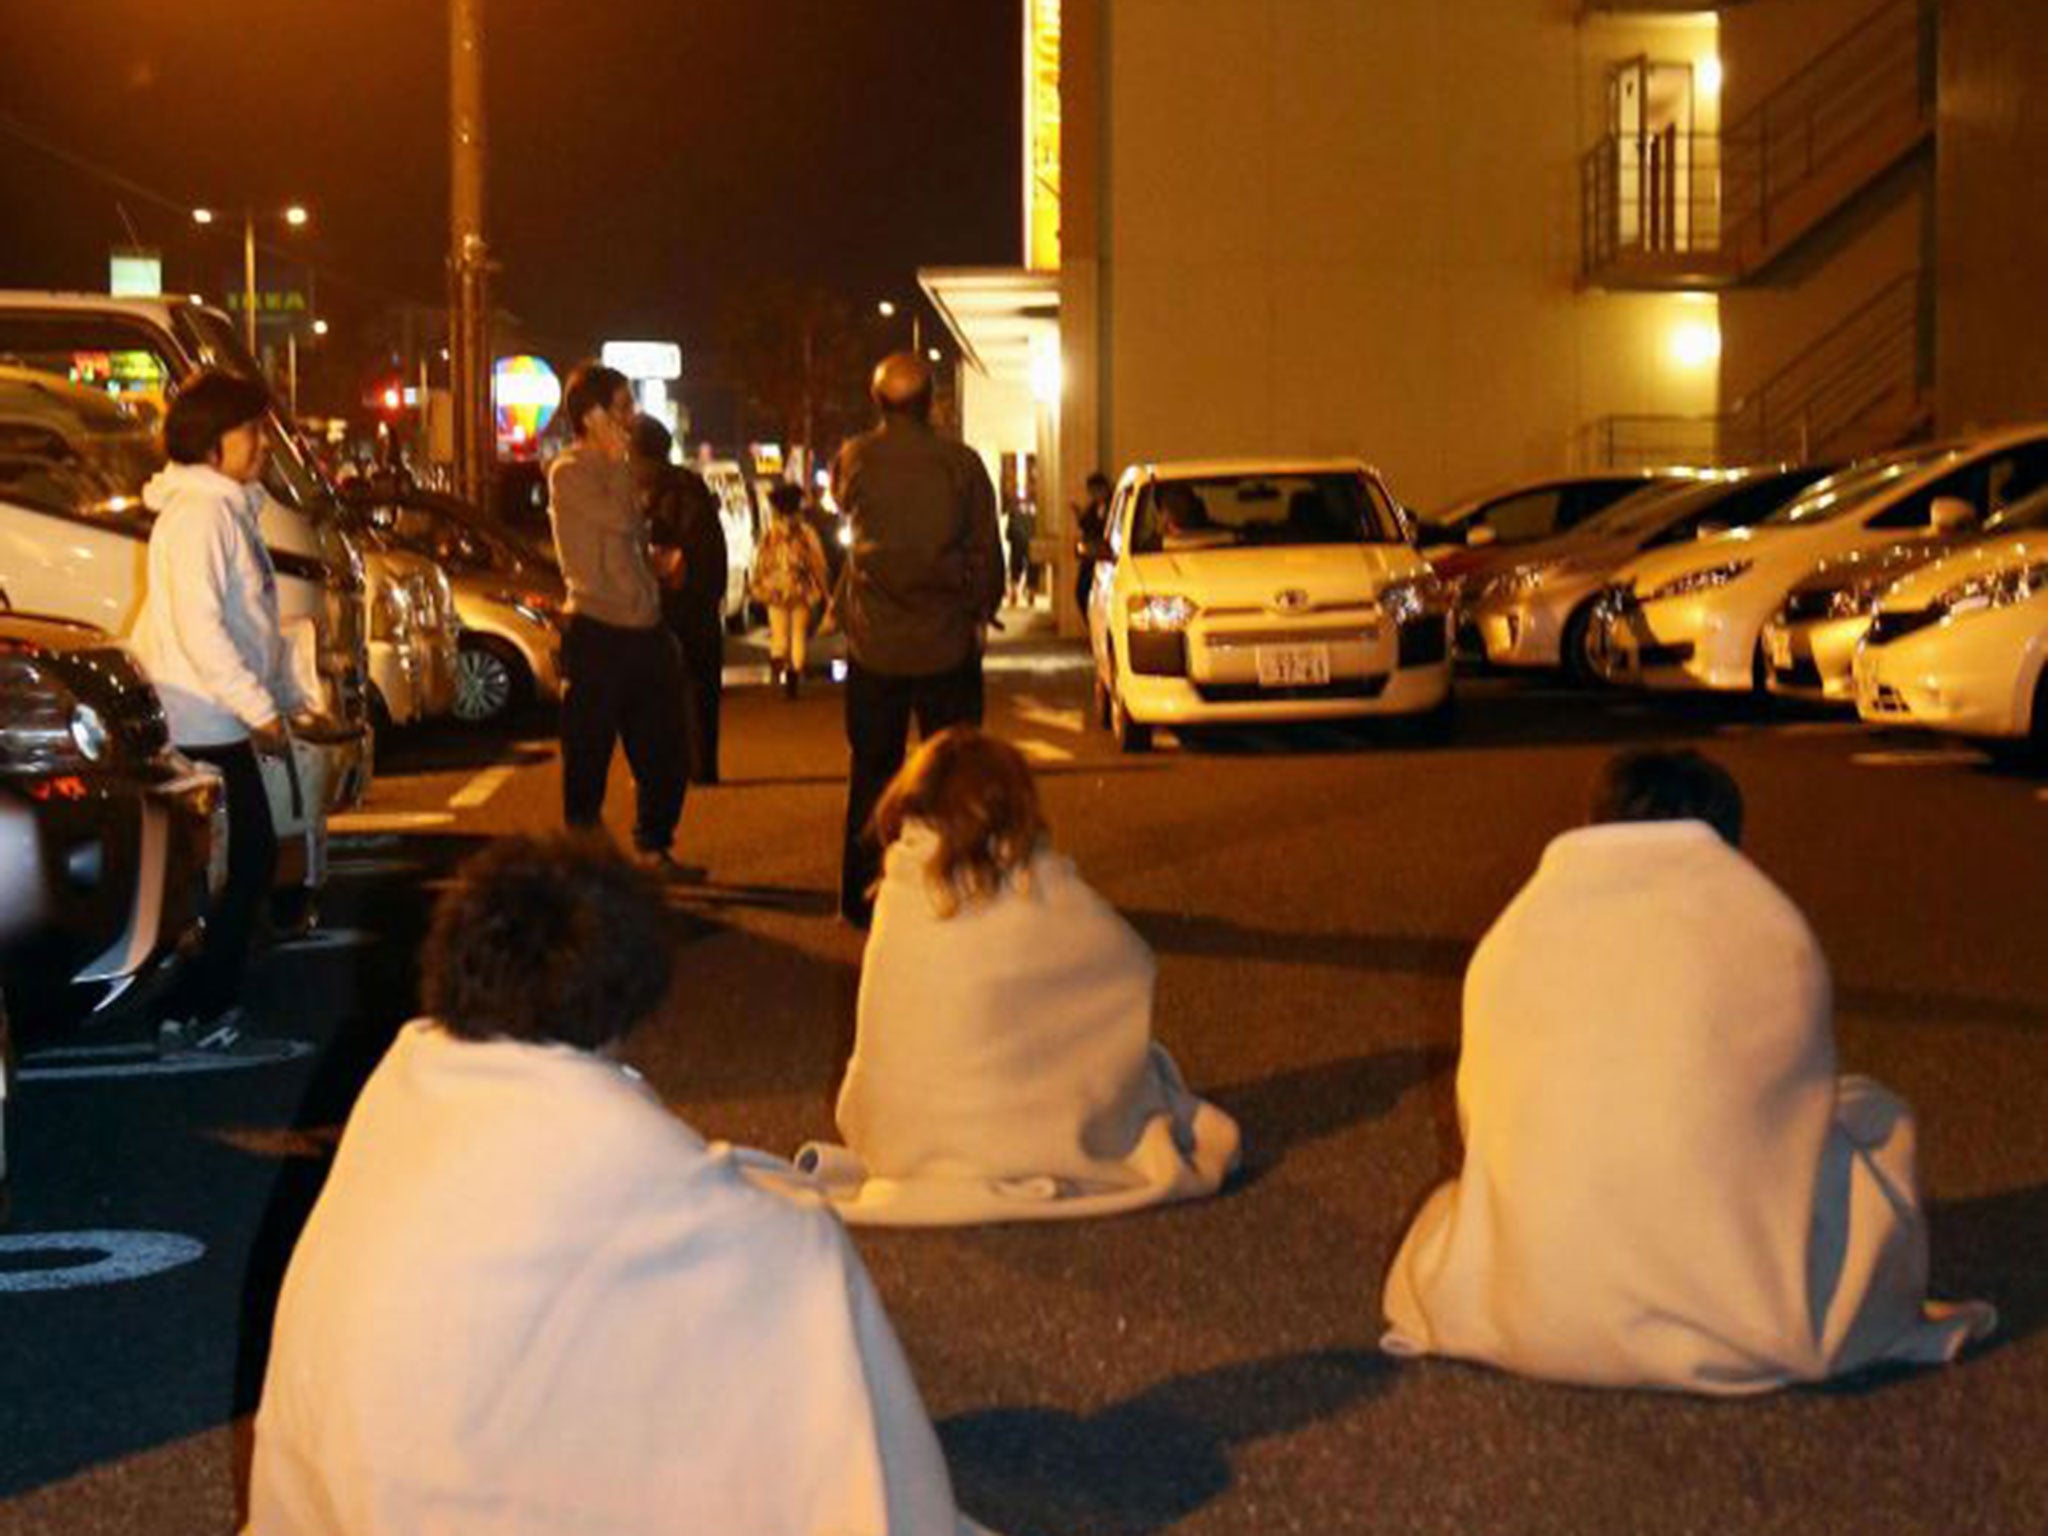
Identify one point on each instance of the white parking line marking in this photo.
(112, 1257)
(1043, 751)
(1034, 712)
(389, 821)
(478, 791)
(1934, 757)
(82, 1064)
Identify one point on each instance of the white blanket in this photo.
(531, 1301)
(1004, 1068)
(1664, 1183)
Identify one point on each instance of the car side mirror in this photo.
(1710, 530)
(1951, 514)
(1481, 535)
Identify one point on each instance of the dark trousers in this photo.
(212, 984)
(703, 639)
(879, 710)
(623, 685)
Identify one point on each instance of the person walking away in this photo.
(1091, 533)
(622, 667)
(208, 636)
(789, 582)
(1021, 530)
(919, 588)
(690, 563)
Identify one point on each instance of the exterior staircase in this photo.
(1865, 386)
(1696, 210)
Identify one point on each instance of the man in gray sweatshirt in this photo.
(624, 672)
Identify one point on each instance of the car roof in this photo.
(150, 308)
(1218, 469)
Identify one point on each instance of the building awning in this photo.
(1003, 319)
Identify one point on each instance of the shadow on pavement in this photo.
(1193, 933)
(1304, 1104)
(1995, 1248)
(1150, 1461)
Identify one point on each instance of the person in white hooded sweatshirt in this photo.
(208, 635)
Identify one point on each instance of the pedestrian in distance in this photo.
(532, 1301)
(1004, 1067)
(789, 582)
(1665, 1182)
(1091, 537)
(690, 562)
(920, 586)
(1020, 529)
(623, 671)
(208, 635)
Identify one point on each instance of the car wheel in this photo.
(1101, 703)
(1583, 648)
(490, 680)
(1131, 736)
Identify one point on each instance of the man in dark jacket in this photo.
(689, 545)
(920, 585)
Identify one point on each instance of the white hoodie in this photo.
(208, 629)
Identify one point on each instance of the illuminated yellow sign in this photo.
(1042, 135)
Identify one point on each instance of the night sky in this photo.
(647, 156)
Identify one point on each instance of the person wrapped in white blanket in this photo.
(531, 1300)
(1003, 1066)
(1665, 1183)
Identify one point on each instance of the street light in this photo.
(886, 309)
(295, 216)
(319, 327)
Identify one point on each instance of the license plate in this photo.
(1293, 666)
(1779, 644)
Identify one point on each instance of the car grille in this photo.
(1252, 693)
(1893, 624)
(1886, 700)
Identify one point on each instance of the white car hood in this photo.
(1980, 559)
(1327, 575)
(1786, 553)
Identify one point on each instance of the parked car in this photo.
(129, 352)
(1812, 640)
(74, 538)
(507, 602)
(412, 628)
(1961, 645)
(1262, 590)
(1539, 611)
(1693, 617)
(1467, 539)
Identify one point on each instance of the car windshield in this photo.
(1647, 508)
(1843, 492)
(449, 540)
(1262, 511)
(289, 472)
(65, 448)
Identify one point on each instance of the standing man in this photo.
(920, 585)
(1091, 530)
(623, 670)
(690, 556)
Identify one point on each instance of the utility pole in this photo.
(469, 263)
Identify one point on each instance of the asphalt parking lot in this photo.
(1314, 895)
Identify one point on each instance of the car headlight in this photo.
(1993, 589)
(43, 726)
(1161, 612)
(1700, 581)
(1405, 601)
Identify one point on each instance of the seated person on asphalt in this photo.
(1004, 1067)
(532, 1300)
(1665, 1183)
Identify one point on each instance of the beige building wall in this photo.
(1321, 226)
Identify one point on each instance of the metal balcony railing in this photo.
(1860, 387)
(1694, 207)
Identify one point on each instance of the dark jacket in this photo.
(684, 516)
(926, 567)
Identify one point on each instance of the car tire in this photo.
(1575, 650)
(1131, 735)
(491, 680)
(1101, 703)
(7, 1103)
